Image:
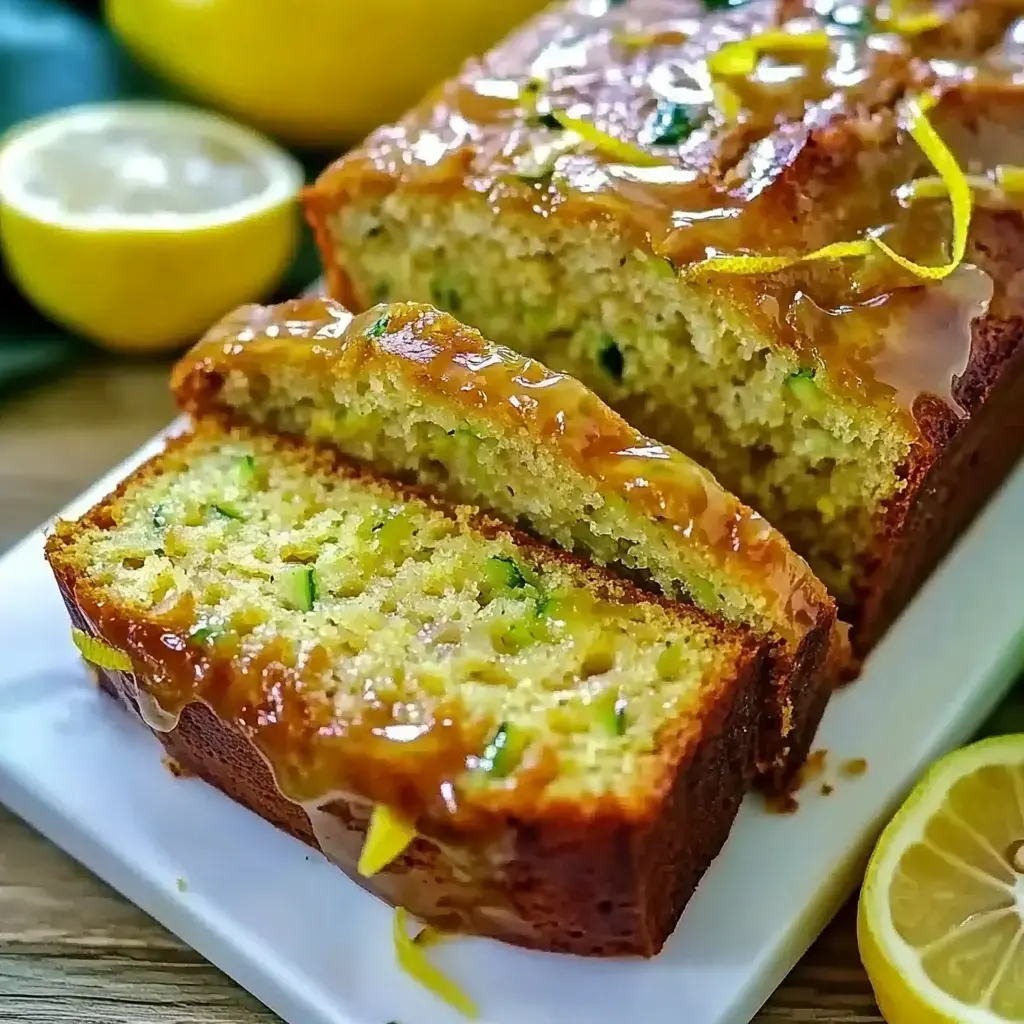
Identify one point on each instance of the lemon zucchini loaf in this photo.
(783, 237)
(414, 392)
(317, 641)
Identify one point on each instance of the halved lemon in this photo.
(941, 919)
(140, 224)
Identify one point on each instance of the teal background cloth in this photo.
(55, 53)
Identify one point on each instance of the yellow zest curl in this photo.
(1010, 178)
(386, 838)
(100, 653)
(412, 959)
(726, 100)
(896, 19)
(752, 265)
(528, 96)
(738, 59)
(933, 187)
(622, 152)
(953, 178)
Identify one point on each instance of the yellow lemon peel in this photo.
(412, 959)
(528, 95)
(622, 152)
(726, 100)
(1010, 178)
(933, 187)
(897, 19)
(959, 190)
(953, 180)
(100, 653)
(752, 265)
(739, 58)
(386, 838)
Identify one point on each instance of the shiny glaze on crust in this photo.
(817, 154)
(518, 882)
(434, 354)
(277, 699)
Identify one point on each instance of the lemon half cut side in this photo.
(139, 224)
(941, 917)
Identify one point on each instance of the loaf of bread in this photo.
(783, 237)
(317, 641)
(414, 392)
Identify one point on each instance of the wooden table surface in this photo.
(71, 949)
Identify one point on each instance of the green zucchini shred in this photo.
(806, 391)
(609, 355)
(205, 635)
(297, 587)
(673, 123)
(228, 509)
(503, 573)
(380, 328)
(503, 752)
(610, 710)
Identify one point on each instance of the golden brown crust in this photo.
(599, 876)
(442, 361)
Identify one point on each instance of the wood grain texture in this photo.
(74, 952)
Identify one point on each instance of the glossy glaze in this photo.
(816, 153)
(433, 354)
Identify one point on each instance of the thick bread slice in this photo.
(314, 640)
(410, 389)
(572, 194)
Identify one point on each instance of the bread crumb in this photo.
(182, 885)
(827, 789)
(813, 768)
(853, 767)
(782, 803)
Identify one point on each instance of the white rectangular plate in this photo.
(314, 947)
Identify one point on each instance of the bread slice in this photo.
(315, 640)
(565, 193)
(413, 391)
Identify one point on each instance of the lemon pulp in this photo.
(140, 224)
(941, 924)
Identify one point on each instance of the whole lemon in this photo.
(139, 224)
(312, 72)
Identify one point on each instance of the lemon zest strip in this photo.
(411, 958)
(726, 100)
(1010, 178)
(100, 653)
(750, 265)
(934, 187)
(386, 838)
(623, 152)
(910, 24)
(950, 174)
(959, 190)
(739, 58)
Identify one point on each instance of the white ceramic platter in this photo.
(314, 947)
